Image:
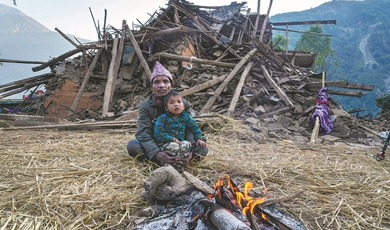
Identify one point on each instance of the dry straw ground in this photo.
(54, 179)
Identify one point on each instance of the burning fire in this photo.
(226, 187)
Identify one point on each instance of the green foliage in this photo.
(383, 102)
(279, 42)
(360, 24)
(312, 41)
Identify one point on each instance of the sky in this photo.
(74, 16)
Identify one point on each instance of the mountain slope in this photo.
(13, 21)
(361, 43)
(23, 38)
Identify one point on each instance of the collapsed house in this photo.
(222, 61)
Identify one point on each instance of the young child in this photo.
(170, 127)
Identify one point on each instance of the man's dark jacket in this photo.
(149, 110)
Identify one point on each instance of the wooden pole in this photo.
(257, 20)
(84, 84)
(195, 60)
(110, 79)
(66, 37)
(221, 87)
(286, 39)
(265, 21)
(119, 57)
(238, 89)
(316, 129)
(139, 52)
(63, 57)
(279, 91)
(203, 86)
(21, 61)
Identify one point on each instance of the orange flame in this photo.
(245, 201)
(264, 216)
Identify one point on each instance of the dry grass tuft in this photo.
(85, 180)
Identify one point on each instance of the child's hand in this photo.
(201, 143)
(176, 140)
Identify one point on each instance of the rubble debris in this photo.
(206, 49)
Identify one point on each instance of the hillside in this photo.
(26, 39)
(359, 40)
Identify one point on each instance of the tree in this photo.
(314, 42)
(383, 102)
(279, 42)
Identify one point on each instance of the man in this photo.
(145, 146)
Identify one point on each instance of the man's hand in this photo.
(201, 143)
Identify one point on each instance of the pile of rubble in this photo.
(222, 61)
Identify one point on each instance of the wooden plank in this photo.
(203, 86)
(303, 32)
(279, 91)
(110, 79)
(21, 61)
(304, 23)
(151, 34)
(84, 83)
(237, 93)
(139, 52)
(347, 93)
(24, 87)
(317, 85)
(265, 21)
(63, 57)
(219, 90)
(194, 60)
(316, 129)
(66, 37)
(359, 86)
(28, 80)
(119, 57)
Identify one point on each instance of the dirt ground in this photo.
(85, 180)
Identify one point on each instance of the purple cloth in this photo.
(322, 112)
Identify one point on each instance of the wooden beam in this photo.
(194, 60)
(303, 32)
(66, 37)
(237, 93)
(203, 86)
(279, 91)
(84, 84)
(29, 80)
(110, 79)
(303, 23)
(21, 61)
(359, 86)
(175, 30)
(63, 57)
(139, 52)
(221, 87)
(317, 85)
(347, 93)
(265, 21)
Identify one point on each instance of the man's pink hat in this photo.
(159, 70)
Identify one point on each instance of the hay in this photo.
(85, 180)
